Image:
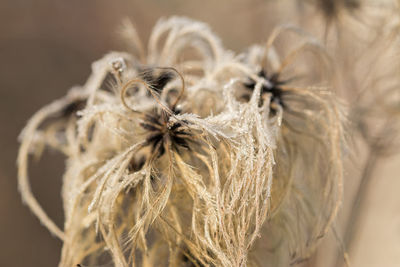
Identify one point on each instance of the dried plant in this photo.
(190, 155)
(363, 39)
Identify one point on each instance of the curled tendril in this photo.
(130, 83)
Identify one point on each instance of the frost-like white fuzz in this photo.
(190, 155)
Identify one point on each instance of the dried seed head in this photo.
(149, 177)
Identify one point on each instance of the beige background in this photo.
(47, 46)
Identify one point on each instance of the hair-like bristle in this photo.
(153, 177)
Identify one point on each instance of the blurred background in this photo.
(48, 46)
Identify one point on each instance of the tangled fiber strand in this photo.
(307, 186)
(191, 156)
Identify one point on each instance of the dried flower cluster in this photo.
(189, 155)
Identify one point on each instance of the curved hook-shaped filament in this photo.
(146, 85)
